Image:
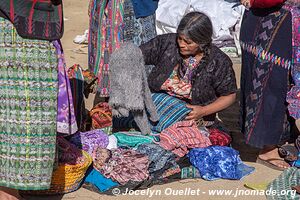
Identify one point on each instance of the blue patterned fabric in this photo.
(170, 110)
(97, 179)
(217, 162)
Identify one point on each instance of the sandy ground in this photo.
(76, 22)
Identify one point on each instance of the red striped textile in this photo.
(181, 136)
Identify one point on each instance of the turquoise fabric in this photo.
(132, 139)
(97, 179)
(282, 185)
(170, 110)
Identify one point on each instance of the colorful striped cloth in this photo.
(105, 35)
(190, 172)
(28, 110)
(264, 55)
(182, 136)
(170, 110)
(111, 23)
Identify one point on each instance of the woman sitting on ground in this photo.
(190, 67)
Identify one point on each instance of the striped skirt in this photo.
(28, 110)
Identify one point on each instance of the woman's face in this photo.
(187, 47)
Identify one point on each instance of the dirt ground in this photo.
(76, 22)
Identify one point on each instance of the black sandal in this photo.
(288, 152)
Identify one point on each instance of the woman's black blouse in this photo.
(210, 80)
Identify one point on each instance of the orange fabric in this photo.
(101, 116)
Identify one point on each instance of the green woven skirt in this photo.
(28, 105)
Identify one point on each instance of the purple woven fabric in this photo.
(90, 140)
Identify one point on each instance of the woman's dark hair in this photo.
(197, 27)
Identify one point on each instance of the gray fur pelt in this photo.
(129, 90)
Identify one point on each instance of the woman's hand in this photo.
(196, 113)
(216, 106)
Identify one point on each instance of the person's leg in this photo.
(270, 154)
(9, 194)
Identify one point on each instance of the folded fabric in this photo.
(284, 182)
(218, 137)
(132, 139)
(181, 136)
(121, 165)
(174, 170)
(190, 172)
(90, 140)
(97, 179)
(112, 142)
(160, 159)
(101, 115)
(170, 109)
(217, 162)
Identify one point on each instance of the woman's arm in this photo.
(220, 104)
(224, 85)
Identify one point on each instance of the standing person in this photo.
(111, 23)
(32, 89)
(188, 66)
(266, 41)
